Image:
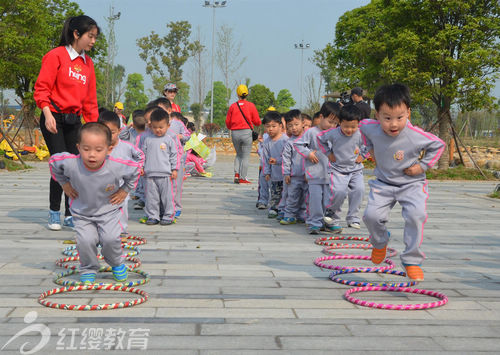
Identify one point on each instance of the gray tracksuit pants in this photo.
(317, 202)
(350, 185)
(413, 199)
(105, 230)
(124, 214)
(159, 192)
(242, 142)
(179, 182)
(295, 201)
(263, 188)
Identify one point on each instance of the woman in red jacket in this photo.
(66, 90)
(241, 132)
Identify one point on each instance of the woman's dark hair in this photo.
(81, 24)
(159, 115)
(328, 108)
(111, 117)
(350, 113)
(392, 95)
(96, 128)
(191, 126)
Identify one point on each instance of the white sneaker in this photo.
(54, 220)
(355, 225)
(328, 220)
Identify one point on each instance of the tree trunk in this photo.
(28, 112)
(444, 133)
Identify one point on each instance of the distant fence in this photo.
(225, 145)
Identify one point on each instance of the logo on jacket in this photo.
(399, 155)
(356, 151)
(75, 74)
(163, 146)
(109, 188)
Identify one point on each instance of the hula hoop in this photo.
(398, 307)
(325, 240)
(134, 240)
(335, 278)
(59, 278)
(71, 250)
(327, 250)
(319, 262)
(62, 262)
(93, 307)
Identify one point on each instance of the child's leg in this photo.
(179, 182)
(303, 191)
(293, 199)
(152, 194)
(140, 190)
(380, 202)
(328, 197)
(167, 198)
(315, 205)
(413, 199)
(356, 192)
(276, 190)
(339, 182)
(284, 196)
(109, 235)
(86, 244)
(124, 214)
(263, 189)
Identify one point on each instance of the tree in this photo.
(199, 72)
(313, 95)
(170, 51)
(284, 100)
(109, 70)
(446, 51)
(227, 57)
(135, 98)
(196, 111)
(182, 98)
(262, 97)
(220, 105)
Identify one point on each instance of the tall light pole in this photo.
(214, 5)
(301, 46)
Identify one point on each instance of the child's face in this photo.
(115, 131)
(93, 149)
(393, 119)
(316, 121)
(159, 128)
(273, 129)
(307, 124)
(147, 117)
(349, 127)
(328, 122)
(295, 126)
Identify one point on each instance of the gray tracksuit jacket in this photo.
(345, 148)
(274, 149)
(293, 164)
(315, 173)
(161, 156)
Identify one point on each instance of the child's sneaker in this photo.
(87, 279)
(272, 214)
(301, 220)
(68, 222)
(120, 273)
(139, 205)
(166, 222)
(152, 221)
(236, 178)
(414, 272)
(354, 225)
(378, 255)
(177, 214)
(288, 220)
(143, 220)
(54, 220)
(261, 206)
(280, 216)
(333, 229)
(314, 230)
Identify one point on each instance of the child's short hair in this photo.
(109, 117)
(161, 101)
(316, 115)
(137, 113)
(350, 113)
(329, 108)
(139, 121)
(150, 109)
(305, 116)
(272, 116)
(98, 128)
(392, 95)
(179, 116)
(159, 115)
(290, 115)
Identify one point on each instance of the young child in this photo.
(120, 150)
(306, 121)
(130, 134)
(263, 189)
(316, 119)
(346, 151)
(403, 153)
(293, 172)
(316, 169)
(97, 185)
(160, 170)
(273, 149)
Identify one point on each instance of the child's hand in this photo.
(268, 177)
(69, 190)
(260, 139)
(179, 136)
(118, 197)
(288, 179)
(359, 159)
(332, 158)
(313, 158)
(272, 161)
(415, 169)
(142, 172)
(174, 175)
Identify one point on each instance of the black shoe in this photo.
(152, 221)
(139, 205)
(166, 222)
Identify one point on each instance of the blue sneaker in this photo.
(178, 214)
(280, 216)
(288, 220)
(314, 230)
(120, 273)
(68, 222)
(333, 229)
(54, 220)
(87, 279)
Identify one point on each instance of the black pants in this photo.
(63, 141)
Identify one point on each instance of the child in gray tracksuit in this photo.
(160, 170)
(273, 148)
(346, 151)
(403, 153)
(97, 185)
(294, 172)
(316, 169)
(263, 189)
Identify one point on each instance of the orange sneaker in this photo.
(414, 272)
(378, 255)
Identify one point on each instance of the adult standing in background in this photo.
(357, 100)
(118, 109)
(170, 92)
(242, 116)
(65, 91)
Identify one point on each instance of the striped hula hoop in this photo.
(62, 262)
(326, 240)
(319, 262)
(334, 276)
(59, 278)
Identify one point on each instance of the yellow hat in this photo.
(271, 108)
(242, 90)
(119, 105)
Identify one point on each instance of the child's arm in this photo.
(302, 146)
(57, 165)
(433, 148)
(266, 154)
(323, 139)
(286, 159)
(175, 159)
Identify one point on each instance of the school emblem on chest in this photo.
(163, 146)
(109, 188)
(356, 151)
(399, 155)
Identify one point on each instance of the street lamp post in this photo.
(213, 5)
(301, 46)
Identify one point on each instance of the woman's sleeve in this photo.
(46, 79)
(90, 109)
(229, 116)
(255, 116)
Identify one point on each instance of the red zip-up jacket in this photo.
(70, 84)
(234, 119)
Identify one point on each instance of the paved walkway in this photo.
(227, 280)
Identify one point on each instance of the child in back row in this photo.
(263, 189)
(345, 149)
(131, 133)
(97, 185)
(403, 153)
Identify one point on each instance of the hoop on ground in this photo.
(92, 307)
(325, 240)
(62, 262)
(399, 307)
(133, 240)
(71, 250)
(319, 262)
(59, 278)
(334, 276)
(327, 250)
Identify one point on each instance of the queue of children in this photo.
(306, 174)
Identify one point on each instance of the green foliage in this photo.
(262, 97)
(135, 98)
(182, 98)
(220, 105)
(284, 100)
(196, 111)
(458, 173)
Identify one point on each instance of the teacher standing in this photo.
(241, 118)
(65, 91)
